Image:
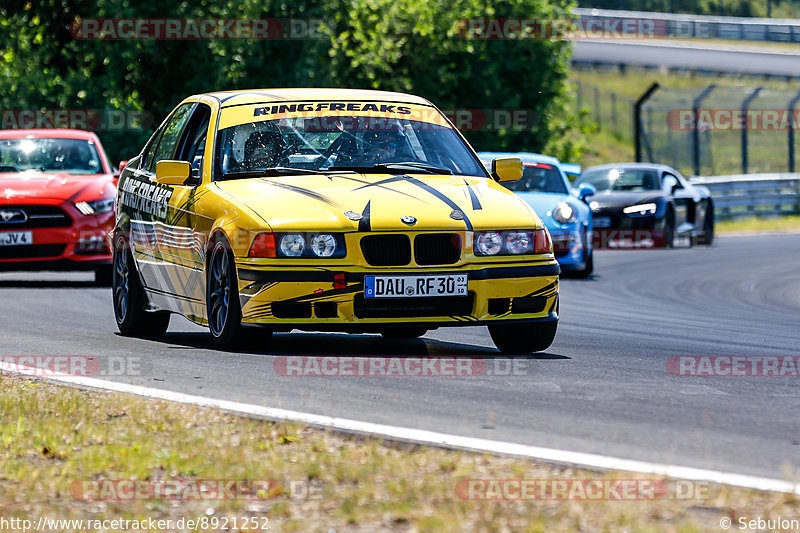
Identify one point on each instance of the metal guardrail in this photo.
(753, 194)
(707, 27)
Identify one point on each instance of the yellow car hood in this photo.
(358, 202)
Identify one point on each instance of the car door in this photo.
(184, 251)
(151, 231)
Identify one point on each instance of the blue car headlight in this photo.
(564, 213)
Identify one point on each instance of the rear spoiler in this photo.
(572, 170)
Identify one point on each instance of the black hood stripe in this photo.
(476, 204)
(307, 192)
(364, 223)
(438, 194)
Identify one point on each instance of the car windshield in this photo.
(70, 156)
(330, 142)
(621, 179)
(538, 177)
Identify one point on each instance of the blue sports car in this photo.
(545, 187)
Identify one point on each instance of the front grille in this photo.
(38, 216)
(31, 252)
(437, 249)
(412, 307)
(386, 250)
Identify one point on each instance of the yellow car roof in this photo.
(256, 96)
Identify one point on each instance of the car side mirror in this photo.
(170, 172)
(585, 190)
(671, 184)
(118, 171)
(507, 169)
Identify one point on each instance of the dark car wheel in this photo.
(707, 238)
(523, 338)
(129, 298)
(669, 229)
(404, 332)
(222, 300)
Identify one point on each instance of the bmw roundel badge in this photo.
(408, 220)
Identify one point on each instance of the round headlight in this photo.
(564, 213)
(489, 243)
(323, 245)
(517, 242)
(292, 245)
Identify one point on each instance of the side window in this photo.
(193, 142)
(150, 150)
(165, 146)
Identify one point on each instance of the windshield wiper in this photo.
(274, 171)
(398, 168)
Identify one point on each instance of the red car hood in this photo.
(20, 186)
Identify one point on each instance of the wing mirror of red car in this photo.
(122, 165)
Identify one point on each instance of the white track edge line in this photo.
(421, 436)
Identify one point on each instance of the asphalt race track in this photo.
(603, 387)
(691, 56)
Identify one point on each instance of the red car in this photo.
(57, 195)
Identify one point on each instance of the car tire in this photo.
(104, 275)
(404, 332)
(669, 229)
(707, 239)
(523, 338)
(129, 298)
(222, 296)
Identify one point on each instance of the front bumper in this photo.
(333, 299)
(569, 246)
(623, 231)
(81, 245)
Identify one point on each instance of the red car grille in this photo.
(33, 216)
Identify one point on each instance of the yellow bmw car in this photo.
(326, 210)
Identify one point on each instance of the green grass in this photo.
(52, 437)
(788, 224)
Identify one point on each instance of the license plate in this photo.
(410, 286)
(602, 222)
(15, 238)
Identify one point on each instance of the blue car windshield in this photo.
(538, 177)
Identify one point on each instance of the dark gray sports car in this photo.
(645, 204)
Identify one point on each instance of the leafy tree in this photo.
(403, 45)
